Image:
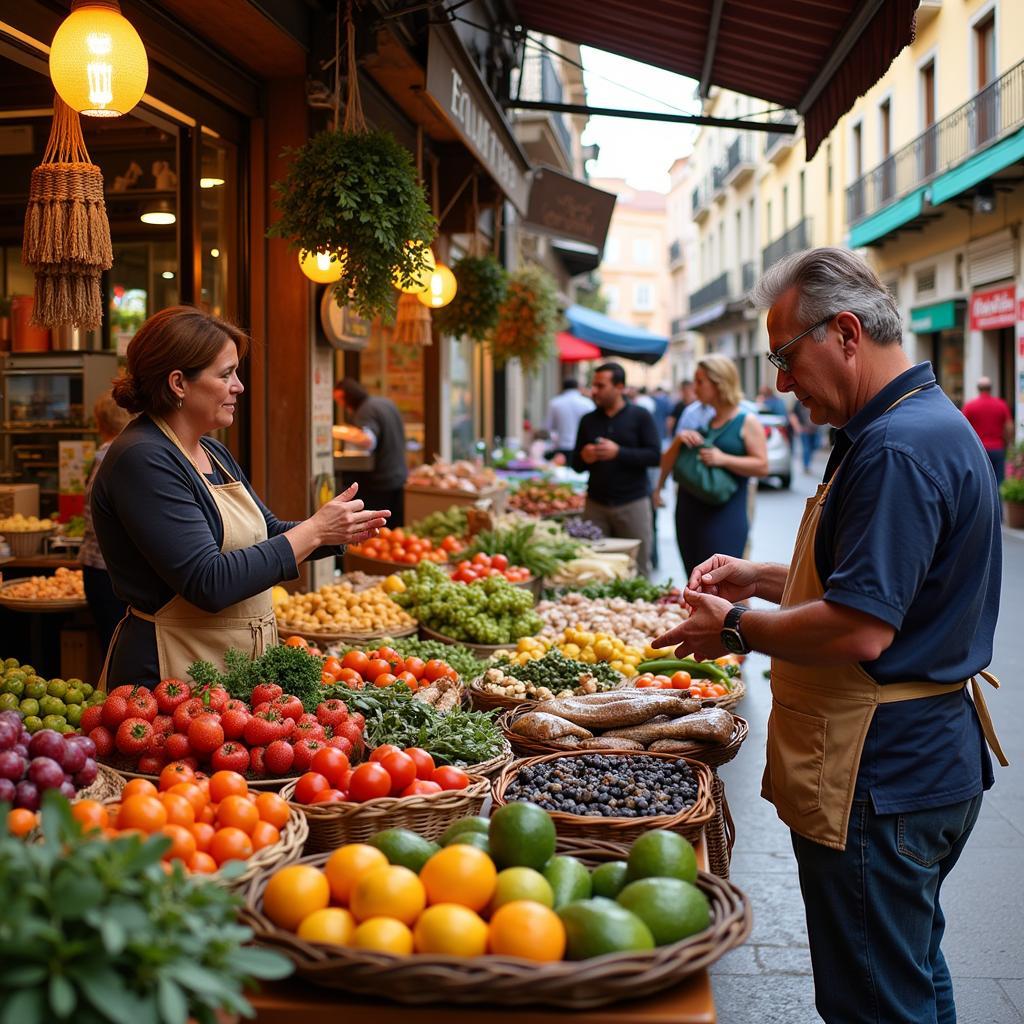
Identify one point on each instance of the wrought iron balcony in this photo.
(986, 117)
(778, 144)
(714, 291)
(740, 163)
(794, 240)
(701, 203)
(675, 252)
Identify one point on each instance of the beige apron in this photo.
(185, 633)
(820, 716)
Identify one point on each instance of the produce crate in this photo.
(421, 501)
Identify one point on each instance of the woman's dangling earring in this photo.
(179, 403)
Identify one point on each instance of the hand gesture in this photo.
(343, 520)
(700, 635)
(589, 454)
(711, 456)
(606, 450)
(734, 579)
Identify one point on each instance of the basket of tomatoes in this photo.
(712, 682)
(395, 549)
(482, 565)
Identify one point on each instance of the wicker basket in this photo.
(732, 698)
(262, 785)
(690, 823)
(720, 833)
(107, 786)
(509, 981)
(493, 767)
(484, 701)
(320, 638)
(480, 650)
(374, 566)
(334, 824)
(26, 543)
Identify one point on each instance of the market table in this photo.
(285, 1002)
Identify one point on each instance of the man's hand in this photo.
(588, 453)
(606, 450)
(700, 635)
(734, 579)
(711, 456)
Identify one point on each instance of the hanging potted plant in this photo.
(1011, 490)
(527, 319)
(473, 313)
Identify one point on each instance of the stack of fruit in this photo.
(492, 887)
(545, 498)
(56, 704)
(581, 645)
(406, 548)
(19, 523)
(338, 608)
(480, 566)
(384, 666)
(63, 585)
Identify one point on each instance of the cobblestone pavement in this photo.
(769, 979)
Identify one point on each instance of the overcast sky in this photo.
(639, 151)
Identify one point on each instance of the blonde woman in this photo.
(704, 528)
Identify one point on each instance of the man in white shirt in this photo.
(564, 414)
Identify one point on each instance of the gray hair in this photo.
(829, 281)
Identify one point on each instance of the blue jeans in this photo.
(997, 456)
(808, 446)
(873, 916)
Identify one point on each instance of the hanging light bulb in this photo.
(421, 280)
(320, 267)
(97, 61)
(441, 288)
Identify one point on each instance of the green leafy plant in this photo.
(356, 194)
(527, 319)
(292, 668)
(473, 313)
(541, 553)
(94, 930)
(1012, 488)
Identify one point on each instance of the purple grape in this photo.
(26, 795)
(12, 766)
(67, 787)
(26, 737)
(13, 718)
(7, 791)
(87, 776)
(9, 735)
(46, 773)
(84, 742)
(47, 743)
(74, 758)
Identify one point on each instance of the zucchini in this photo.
(701, 669)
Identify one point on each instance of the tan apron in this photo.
(820, 716)
(185, 633)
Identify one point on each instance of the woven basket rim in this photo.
(333, 636)
(490, 649)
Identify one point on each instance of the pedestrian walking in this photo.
(713, 465)
(565, 411)
(687, 396)
(876, 755)
(807, 431)
(617, 442)
(993, 423)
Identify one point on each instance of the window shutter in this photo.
(992, 258)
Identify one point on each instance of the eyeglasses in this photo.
(778, 360)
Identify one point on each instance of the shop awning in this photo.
(615, 338)
(940, 316)
(572, 350)
(812, 57)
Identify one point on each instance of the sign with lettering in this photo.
(454, 83)
(567, 208)
(993, 309)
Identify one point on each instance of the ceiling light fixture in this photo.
(160, 212)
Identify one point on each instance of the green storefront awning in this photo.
(977, 168)
(878, 225)
(940, 316)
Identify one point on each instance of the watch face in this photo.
(733, 641)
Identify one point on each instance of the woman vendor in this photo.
(188, 544)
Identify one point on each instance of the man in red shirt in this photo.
(993, 423)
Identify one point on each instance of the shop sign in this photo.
(567, 208)
(456, 86)
(993, 309)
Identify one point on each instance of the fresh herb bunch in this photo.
(527, 319)
(94, 930)
(292, 668)
(525, 545)
(438, 525)
(473, 313)
(557, 671)
(636, 589)
(356, 194)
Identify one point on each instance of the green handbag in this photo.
(713, 485)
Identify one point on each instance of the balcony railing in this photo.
(985, 118)
(748, 276)
(794, 240)
(776, 140)
(714, 291)
(675, 252)
(739, 160)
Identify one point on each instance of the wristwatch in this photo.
(732, 638)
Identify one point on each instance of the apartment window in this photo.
(857, 151)
(928, 150)
(803, 195)
(611, 292)
(885, 147)
(752, 227)
(643, 297)
(643, 251)
(721, 245)
(987, 114)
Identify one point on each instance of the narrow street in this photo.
(769, 979)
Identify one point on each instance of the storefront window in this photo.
(218, 202)
(460, 382)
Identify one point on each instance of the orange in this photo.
(143, 812)
(174, 773)
(385, 935)
(90, 814)
(237, 812)
(230, 844)
(225, 783)
(179, 810)
(348, 864)
(527, 929)
(208, 814)
(450, 929)
(183, 843)
(264, 834)
(391, 891)
(293, 893)
(460, 874)
(138, 787)
(192, 793)
(20, 821)
(273, 809)
(331, 925)
(202, 863)
(204, 835)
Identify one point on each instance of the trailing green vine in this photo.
(527, 319)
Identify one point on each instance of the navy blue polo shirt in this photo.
(910, 534)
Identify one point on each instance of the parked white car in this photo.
(780, 454)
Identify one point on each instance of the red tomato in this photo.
(351, 678)
(450, 544)
(415, 666)
(421, 787)
(464, 564)
(369, 781)
(424, 762)
(328, 796)
(402, 769)
(357, 661)
(499, 561)
(448, 777)
(332, 665)
(332, 763)
(385, 679)
(326, 679)
(641, 684)
(409, 679)
(308, 786)
(481, 559)
(377, 667)
(681, 680)
(434, 669)
(383, 750)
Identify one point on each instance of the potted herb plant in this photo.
(473, 313)
(1011, 490)
(527, 319)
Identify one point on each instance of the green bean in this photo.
(701, 669)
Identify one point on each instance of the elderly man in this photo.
(876, 757)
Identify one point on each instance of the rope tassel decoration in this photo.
(67, 235)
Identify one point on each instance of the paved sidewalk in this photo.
(768, 981)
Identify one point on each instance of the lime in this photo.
(8, 702)
(521, 884)
(51, 706)
(11, 663)
(671, 908)
(569, 880)
(74, 714)
(56, 687)
(87, 689)
(14, 684)
(661, 854)
(28, 670)
(29, 707)
(477, 839)
(35, 687)
(522, 835)
(474, 824)
(33, 723)
(596, 927)
(608, 879)
(55, 722)
(75, 684)
(405, 848)
(74, 697)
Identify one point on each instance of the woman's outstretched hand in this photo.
(344, 520)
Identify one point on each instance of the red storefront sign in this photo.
(994, 309)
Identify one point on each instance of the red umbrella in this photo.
(572, 350)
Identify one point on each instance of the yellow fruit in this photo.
(393, 584)
(391, 891)
(293, 893)
(348, 864)
(527, 929)
(519, 883)
(450, 929)
(460, 874)
(385, 935)
(278, 594)
(332, 925)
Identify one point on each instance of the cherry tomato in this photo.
(357, 661)
(448, 777)
(332, 665)
(328, 796)
(424, 762)
(351, 678)
(369, 782)
(681, 681)
(402, 769)
(383, 750)
(415, 666)
(499, 561)
(377, 667)
(385, 679)
(409, 679)
(421, 787)
(308, 786)
(481, 559)
(434, 669)
(332, 763)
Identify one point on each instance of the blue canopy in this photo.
(614, 338)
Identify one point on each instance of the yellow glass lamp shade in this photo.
(441, 288)
(97, 61)
(320, 267)
(421, 280)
